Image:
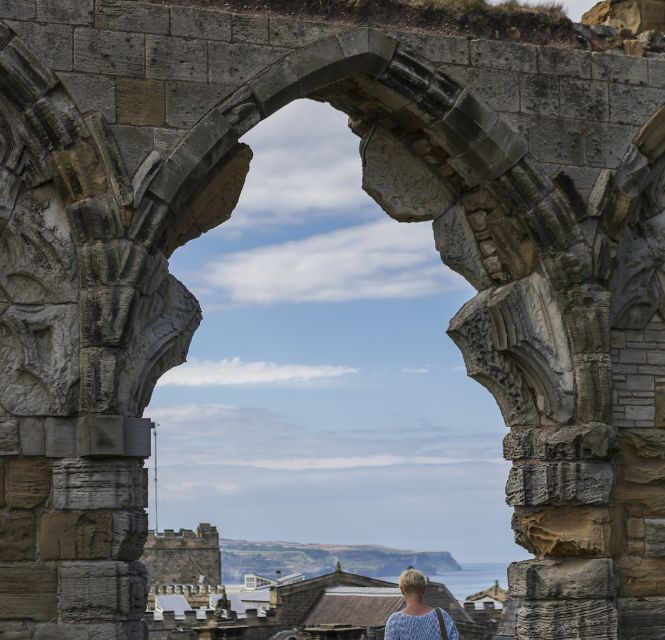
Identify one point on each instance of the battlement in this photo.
(184, 556)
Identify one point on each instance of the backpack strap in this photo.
(442, 624)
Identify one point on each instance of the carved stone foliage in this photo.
(633, 210)
(514, 343)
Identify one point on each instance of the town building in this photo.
(184, 557)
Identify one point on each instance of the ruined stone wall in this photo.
(182, 557)
(119, 142)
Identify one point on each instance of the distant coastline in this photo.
(267, 557)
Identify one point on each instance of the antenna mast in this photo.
(155, 425)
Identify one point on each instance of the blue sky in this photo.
(322, 400)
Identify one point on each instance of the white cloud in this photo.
(200, 373)
(349, 462)
(379, 260)
(416, 370)
(306, 163)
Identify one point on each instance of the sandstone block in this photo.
(654, 537)
(131, 16)
(585, 99)
(17, 536)
(564, 62)
(78, 172)
(52, 42)
(539, 95)
(28, 591)
(109, 52)
(201, 23)
(557, 140)
(566, 531)
(91, 92)
(60, 437)
(114, 436)
(135, 143)
(2, 482)
(104, 314)
(234, 64)
(102, 591)
(562, 579)
(66, 11)
(188, 102)
(496, 87)
(28, 482)
(634, 105)
(173, 58)
(390, 182)
(140, 102)
(252, 29)
(641, 618)
(9, 441)
(641, 577)
(75, 535)
(298, 33)
(617, 68)
(504, 55)
(606, 144)
(567, 619)
(88, 484)
(17, 10)
(559, 483)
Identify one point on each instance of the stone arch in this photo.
(537, 334)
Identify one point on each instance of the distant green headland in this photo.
(266, 558)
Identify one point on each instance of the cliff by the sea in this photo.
(266, 558)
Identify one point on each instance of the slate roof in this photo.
(176, 603)
(355, 606)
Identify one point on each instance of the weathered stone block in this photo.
(233, 64)
(143, 17)
(9, 442)
(66, 11)
(252, 29)
(102, 591)
(24, 10)
(52, 42)
(91, 92)
(78, 172)
(140, 102)
(503, 55)
(135, 143)
(60, 437)
(606, 144)
(110, 52)
(88, 484)
(136, 629)
(641, 577)
(297, 33)
(28, 482)
(208, 24)
(567, 620)
(390, 183)
(564, 62)
(641, 618)
(619, 68)
(633, 105)
(75, 535)
(654, 537)
(557, 140)
(562, 579)
(565, 531)
(455, 240)
(17, 537)
(104, 314)
(588, 100)
(539, 95)
(559, 483)
(172, 58)
(28, 591)
(497, 89)
(188, 102)
(31, 431)
(114, 436)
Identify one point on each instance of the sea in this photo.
(474, 577)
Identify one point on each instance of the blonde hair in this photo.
(412, 581)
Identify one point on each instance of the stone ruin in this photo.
(541, 167)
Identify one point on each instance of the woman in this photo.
(417, 621)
